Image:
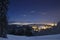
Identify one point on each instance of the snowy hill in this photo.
(48, 37)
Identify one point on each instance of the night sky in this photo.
(34, 11)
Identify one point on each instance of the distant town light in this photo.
(53, 24)
(37, 30)
(34, 27)
(44, 27)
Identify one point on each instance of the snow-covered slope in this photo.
(48, 37)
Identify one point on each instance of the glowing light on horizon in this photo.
(35, 28)
(44, 28)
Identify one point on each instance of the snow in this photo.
(48, 37)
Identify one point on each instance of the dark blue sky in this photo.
(34, 10)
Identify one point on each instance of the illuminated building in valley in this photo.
(3, 20)
(38, 28)
(35, 28)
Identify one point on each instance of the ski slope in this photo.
(48, 37)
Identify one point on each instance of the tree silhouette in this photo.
(3, 18)
(28, 31)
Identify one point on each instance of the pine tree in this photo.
(3, 18)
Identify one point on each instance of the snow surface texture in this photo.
(48, 37)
